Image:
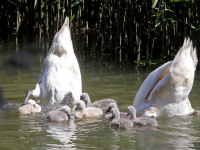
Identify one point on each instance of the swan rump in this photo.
(60, 73)
(165, 90)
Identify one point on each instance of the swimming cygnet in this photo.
(120, 122)
(103, 104)
(143, 121)
(60, 114)
(84, 112)
(110, 107)
(30, 107)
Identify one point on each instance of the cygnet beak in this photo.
(127, 114)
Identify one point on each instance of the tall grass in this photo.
(144, 31)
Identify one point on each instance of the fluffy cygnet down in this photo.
(59, 115)
(84, 112)
(120, 122)
(103, 104)
(30, 107)
(143, 121)
(109, 116)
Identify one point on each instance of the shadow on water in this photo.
(102, 77)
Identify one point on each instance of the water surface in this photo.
(101, 79)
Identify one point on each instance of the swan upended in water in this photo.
(60, 72)
(165, 90)
(29, 107)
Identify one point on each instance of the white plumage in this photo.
(165, 91)
(60, 72)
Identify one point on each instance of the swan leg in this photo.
(67, 98)
(28, 94)
(52, 100)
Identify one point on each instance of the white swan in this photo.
(30, 107)
(165, 91)
(60, 72)
(85, 112)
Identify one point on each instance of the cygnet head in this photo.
(67, 110)
(111, 106)
(30, 101)
(86, 98)
(37, 108)
(115, 113)
(80, 105)
(131, 112)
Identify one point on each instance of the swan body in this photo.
(60, 73)
(109, 110)
(30, 107)
(120, 122)
(165, 91)
(85, 112)
(60, 115)
(143, 121)
(103, 104)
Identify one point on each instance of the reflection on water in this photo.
(101, 79)
(64, 132)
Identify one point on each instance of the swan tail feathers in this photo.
(183, 53)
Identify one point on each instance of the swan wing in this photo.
(149, 83)
(172, 81)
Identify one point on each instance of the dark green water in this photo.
(101, 79)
